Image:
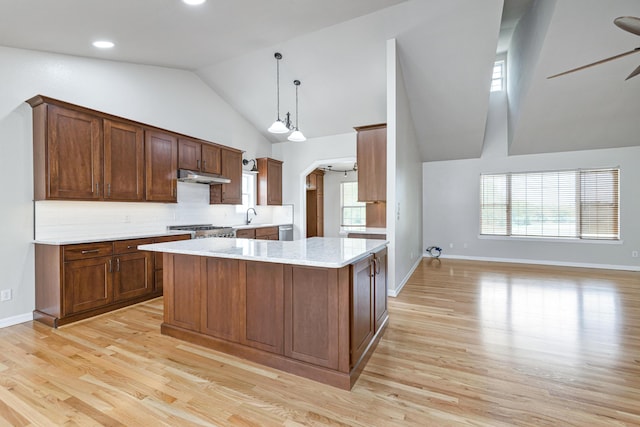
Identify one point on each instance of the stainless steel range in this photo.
(201, 231)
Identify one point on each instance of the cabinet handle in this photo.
(110, 267)
(92, 251)
(97, 188)
(109, 190)
(118, 264)
(372, 267)
(204, 164)
(198, 163)
(130, 246)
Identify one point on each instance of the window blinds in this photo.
(566, 204)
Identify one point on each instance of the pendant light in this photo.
(296, 135)
(278, 126)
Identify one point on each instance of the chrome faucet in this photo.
(254, 213)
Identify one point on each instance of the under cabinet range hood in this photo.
(185, 175)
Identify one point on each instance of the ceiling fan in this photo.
(627, 23)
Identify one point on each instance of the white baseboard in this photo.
(14, 320)
(544, 262)
(394, 293)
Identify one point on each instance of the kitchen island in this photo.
(314, 307)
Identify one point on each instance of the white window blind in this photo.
(566, 204)
(354, 213)
(497, 78)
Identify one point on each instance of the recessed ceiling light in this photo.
(193, 2)
(103, 44)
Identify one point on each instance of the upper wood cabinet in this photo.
(198, 156)
(67, 153)
(230, 167)
(123, 161)
(161, 159)
(372, 163)
(315, 203)
(269, 181)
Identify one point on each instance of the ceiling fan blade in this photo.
(602, 61)
(628, 23)
(634, 73)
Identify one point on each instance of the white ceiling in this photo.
(337, 48)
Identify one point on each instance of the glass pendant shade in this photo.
(296, 136)
(278, 127)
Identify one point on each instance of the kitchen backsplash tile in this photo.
(56, 219)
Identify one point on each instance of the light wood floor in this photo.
(468, 343)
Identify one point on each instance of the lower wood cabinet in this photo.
(74, 282)
(260, 233)
(313, 321)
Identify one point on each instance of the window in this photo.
(580, 204)
(497, 79)
(248, 192)
(354, 213)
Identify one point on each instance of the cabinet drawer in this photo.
(266, 232)
(129, 246)
(87, 250)
(246, 233)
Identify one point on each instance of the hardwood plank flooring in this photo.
(468, 344)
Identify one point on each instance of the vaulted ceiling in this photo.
(337, 49)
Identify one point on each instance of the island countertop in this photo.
(331, 252)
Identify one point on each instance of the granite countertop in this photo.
(331, 252)
(106, 237)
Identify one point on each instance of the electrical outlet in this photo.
(451, 245)
(634, 254)
(465, 246)
(127, 218)
(5, 295)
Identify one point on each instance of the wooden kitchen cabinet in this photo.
(372, 163)
(161, 166)
(260, 233)
(380, 288)
(362, 313)
(77, 281)
(315, 203)
(230, 167)
(269, 181)
(123, 164)
(222, 293)
(157, 260)
(263, 300)
(67, 151)
(198, 156)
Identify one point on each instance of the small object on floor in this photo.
(434, 251)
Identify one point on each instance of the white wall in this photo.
(332, 211)
(404, 180)
(299, 159)
(172, 99)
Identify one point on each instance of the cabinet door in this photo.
(362, 316)
(189, 154)
(132, 276)
(123, 161)
(184, 276)
(320, 215)
(372, 164)
(311, 315)
(380, 289)
(74, 142)
(263, 325)
(246, 233)
(232, 169)
(211, 159)
(274, 183)
(221, 305)
(87, 284)
(161, 166)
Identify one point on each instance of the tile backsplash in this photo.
(56, 219)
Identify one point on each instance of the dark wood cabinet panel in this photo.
(87, 284)
(377, 214)
(311, 315)
(73, 146)
(189, 154)
(372, 163)
(246, 233)
(183, 299)
(211, 159)
(269, 181)
(221, 307)
(362, 316)
(380, 290)
(264, 314)
(315, 204)
(231, 167)
(267, 233)
(123, 161)
(161, 159)
(133, 275)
